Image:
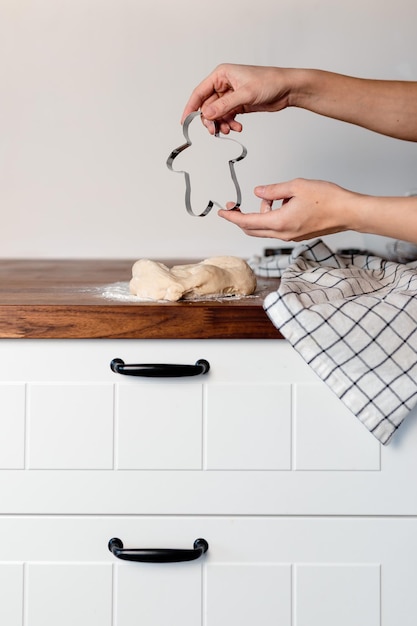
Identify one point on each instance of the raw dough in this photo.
(221, 275)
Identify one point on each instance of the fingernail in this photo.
(259, 191)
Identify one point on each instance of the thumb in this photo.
(222, 106)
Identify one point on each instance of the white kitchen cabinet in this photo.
(310, 522)
(258, 570)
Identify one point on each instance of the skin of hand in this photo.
(314, 208)
(233, 89)
(384, 106)
(309, 208)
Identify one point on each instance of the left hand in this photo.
(309, 208)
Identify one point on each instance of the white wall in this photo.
(91, 94)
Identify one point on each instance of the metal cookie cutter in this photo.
(232, 162)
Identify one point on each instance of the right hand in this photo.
(233, 89)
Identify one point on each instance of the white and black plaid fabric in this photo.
(270, 266)
(354, 321)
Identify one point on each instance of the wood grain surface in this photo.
(65, 299)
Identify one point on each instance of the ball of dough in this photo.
(216, 276)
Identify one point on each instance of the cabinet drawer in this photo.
(259, 425)
(287, 571)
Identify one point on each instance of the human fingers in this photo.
(273, 225)
(267, 220)
(266, 205)
(222, 125)
(210, 89)
(308, 208)
(212, 117)
(221, 96)
(204, 91)
(278, 223)
(278, 191)
(225, 106)
(249, 222)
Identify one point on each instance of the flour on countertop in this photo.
(120, 291)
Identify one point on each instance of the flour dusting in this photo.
(120, 291)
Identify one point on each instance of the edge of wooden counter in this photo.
(150, 322)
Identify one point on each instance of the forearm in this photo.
(386, 107)
(388, 216)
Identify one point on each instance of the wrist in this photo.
(304, 87)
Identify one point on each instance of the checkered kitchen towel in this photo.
(354, 321)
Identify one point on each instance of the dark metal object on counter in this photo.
(278, 251)
(351, 251)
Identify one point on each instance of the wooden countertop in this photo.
(65, 299)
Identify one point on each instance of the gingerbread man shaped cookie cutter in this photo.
(232, 162)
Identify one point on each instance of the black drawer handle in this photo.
(151, 555)
(159, 370)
